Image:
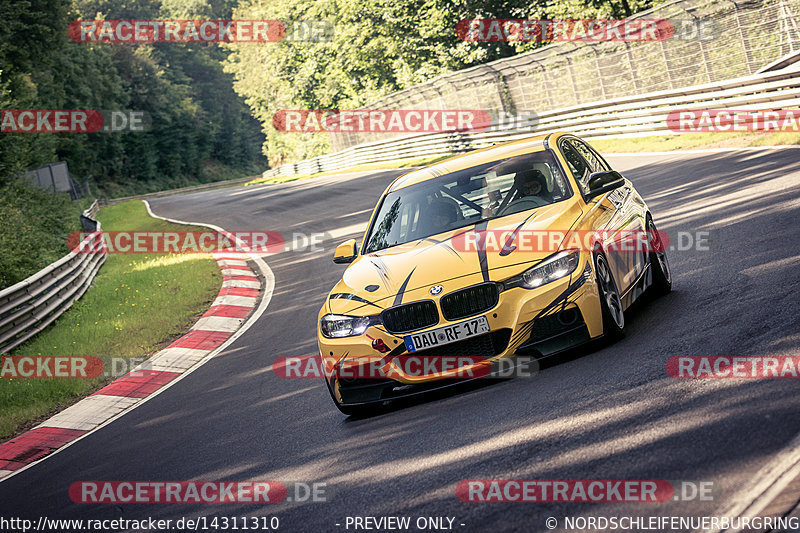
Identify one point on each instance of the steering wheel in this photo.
(523, 204)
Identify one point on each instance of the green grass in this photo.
(136, 306)
(690, 141)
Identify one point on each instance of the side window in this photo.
(599, 157)
(596, 164)
(576, 164)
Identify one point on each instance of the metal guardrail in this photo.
(91, 211)
(632, 116)
(29, 306)
(724, 39)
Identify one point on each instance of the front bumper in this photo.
(537, 322)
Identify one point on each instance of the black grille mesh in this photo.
(469, 301)
(410, 317)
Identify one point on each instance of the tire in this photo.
(610, 303)
(659, 265)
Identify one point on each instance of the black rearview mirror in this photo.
(602, 182)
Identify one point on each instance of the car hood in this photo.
(407, 272)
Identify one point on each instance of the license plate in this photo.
(447, 334)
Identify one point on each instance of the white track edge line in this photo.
(269, 288)
(770, 480)
(773, 477)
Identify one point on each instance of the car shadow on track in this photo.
(541, 364)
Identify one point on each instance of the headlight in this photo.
(335, 326)
(554, 267)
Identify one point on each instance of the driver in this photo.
(442, 215)
(531, 182)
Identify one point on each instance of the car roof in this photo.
(471, 159)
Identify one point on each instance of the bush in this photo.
(34, 225)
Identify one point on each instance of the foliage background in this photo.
(379, 47)
(211, 105)
(201, 129)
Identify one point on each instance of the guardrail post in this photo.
(600, 76)
(667, 67)
(571, 73)
(29, 306)
(788, 28)
(745, 41)
(637, 85)
(52, 178)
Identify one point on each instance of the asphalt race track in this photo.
(613, 413)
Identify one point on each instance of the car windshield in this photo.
(459, 199)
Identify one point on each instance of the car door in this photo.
(612, 212)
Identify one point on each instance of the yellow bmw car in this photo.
(527, 247)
